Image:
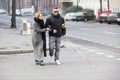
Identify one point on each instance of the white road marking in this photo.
(110, 56)
(118, 59)
(100, 53)
(111, 33)
(85, 29)
(77, 45)
(1, 56)
(91, 50)
(84, 48)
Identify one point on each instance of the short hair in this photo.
(56, 7)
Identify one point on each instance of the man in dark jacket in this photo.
(57, 25)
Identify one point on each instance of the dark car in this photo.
(113, 18)
(84, 16)
(103, 17)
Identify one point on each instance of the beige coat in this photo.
(37, 41)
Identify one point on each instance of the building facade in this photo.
(113, 5)
(45, 5)
(64, 4)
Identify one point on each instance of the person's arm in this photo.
(48, 24)
(63, 27)
(37, 29)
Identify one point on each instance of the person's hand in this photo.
(54, 31)
(48, 29)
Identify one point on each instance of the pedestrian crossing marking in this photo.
(118, 59)
(110, 56)
(100, 53)
(84, 48)
(91, 50)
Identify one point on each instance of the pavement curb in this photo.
(16, 51)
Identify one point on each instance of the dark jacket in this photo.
(58, 23)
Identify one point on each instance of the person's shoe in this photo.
(37, 62)
(51, 60)
(41, 63)
(57, 62)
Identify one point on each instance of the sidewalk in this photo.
(12, 42)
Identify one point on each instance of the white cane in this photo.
(83, 56)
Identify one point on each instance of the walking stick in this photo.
(83, 56)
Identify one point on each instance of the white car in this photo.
(18, 12)
(27, 12)
(2, 11)
(23, 12)
(70, 17)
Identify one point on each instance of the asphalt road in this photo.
(99, 33)
(79, 62)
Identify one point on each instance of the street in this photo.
(102, 65)
(92, 52)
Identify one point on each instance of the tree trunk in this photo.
(8, 7)
(13, 19)
(100, 6)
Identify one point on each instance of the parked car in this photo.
(84, 16)
(18, 13)
(23, 12)
(103, 17)
(27, 12)
(2, 11)
(70, 17)
(79, 16)
(113, 18)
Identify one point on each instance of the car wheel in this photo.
(101, 22)
(109, 22)
(86, 19)
(118, 23)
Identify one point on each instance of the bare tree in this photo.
(13, 19)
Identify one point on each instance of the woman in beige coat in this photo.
(37, 40)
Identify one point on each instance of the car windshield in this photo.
(113, 14)
(79, 14)
(104, 14)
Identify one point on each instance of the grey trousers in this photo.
(54, 46)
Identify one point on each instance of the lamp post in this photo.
(8, 7)
(20, 6)
(77, 3)
(100, 6)
(33, 7)
(108, 5)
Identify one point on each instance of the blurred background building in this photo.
(46, 6)
(112, 5)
